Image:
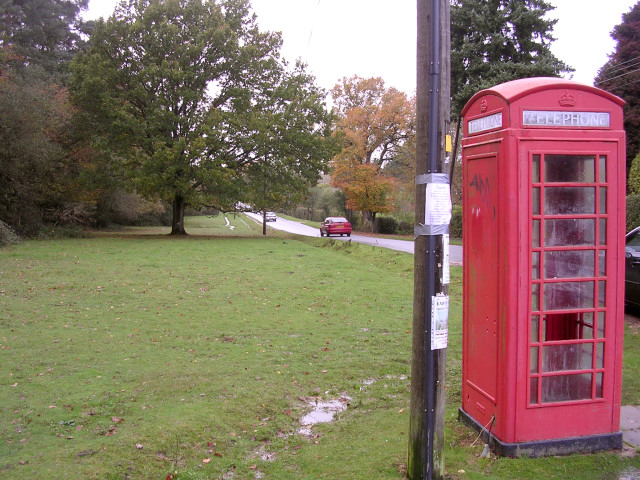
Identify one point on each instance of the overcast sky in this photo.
(377, 38)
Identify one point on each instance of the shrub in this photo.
(455, 228)
(385, 225)
(633, 212)
(634, 176)
(124, 208)
(7, 235)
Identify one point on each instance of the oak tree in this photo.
(292, 143)
(172, 91)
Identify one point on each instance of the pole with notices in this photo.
(431, 263)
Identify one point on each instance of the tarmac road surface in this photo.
(455, 251)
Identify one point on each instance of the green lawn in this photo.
(134, 355)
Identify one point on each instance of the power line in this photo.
(622, 74)
(622, 65)
(628, 83)
(614, 71)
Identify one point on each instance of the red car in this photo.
(335, 226)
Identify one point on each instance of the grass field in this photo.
(137, 355)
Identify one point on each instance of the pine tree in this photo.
(621, 76)
(494, 41)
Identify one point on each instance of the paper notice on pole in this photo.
(439, 322)
(437, 210)
(446, 278)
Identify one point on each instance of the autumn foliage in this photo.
(374, 124)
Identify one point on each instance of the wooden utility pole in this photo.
(431, 263)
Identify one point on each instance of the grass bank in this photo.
(137, 356)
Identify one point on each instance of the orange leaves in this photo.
(375, 123)
(367, 188)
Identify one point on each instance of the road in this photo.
(455, 251)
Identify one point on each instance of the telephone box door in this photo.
(570, 349)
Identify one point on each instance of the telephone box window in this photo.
(569, 168)
(602, 293)
(568, 295)
(568, 268)
(535, 233)
(534, 360)
(603, 231)
(568, 326)
(603, 200)
(534, 328)
(601, 323)
(535, 265)
(603, 168)
(571, 231)
(576, 356)
(569, 264)
(535, 169)
(602, 262)
(535, 201)
(535, 297)
(565, 388)
(569, 200)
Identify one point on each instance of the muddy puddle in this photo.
(322, 411)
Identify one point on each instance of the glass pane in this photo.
(535, 233)
(602, 261)
(535, 169)
(533, 368)
(535, 297)
(603, 200)
(534, 328)
(569, 200)
(601, 324)
(533, 393)
(586, 326)
(603, 168)
(564, 388)
(569, 168)
(603, 231)
(572, 231)
(535, 265)
(535, 202)
(568, 326)
(599, 377)
(602, 293)
(569, 263)
(600, 357)
(578, 356)
(568, 295)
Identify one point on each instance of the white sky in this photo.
(377, 38)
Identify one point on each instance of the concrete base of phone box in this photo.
(545, 448)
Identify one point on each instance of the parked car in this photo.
(271, 217)
(335, 226)
(632, 269)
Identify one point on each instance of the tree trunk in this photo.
(370, 218)
(177, 223)
(264, 222)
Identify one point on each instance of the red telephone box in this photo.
(544, 223)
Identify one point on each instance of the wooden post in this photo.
(426, 428)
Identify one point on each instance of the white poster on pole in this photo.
(439, 322)
(437, 209)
